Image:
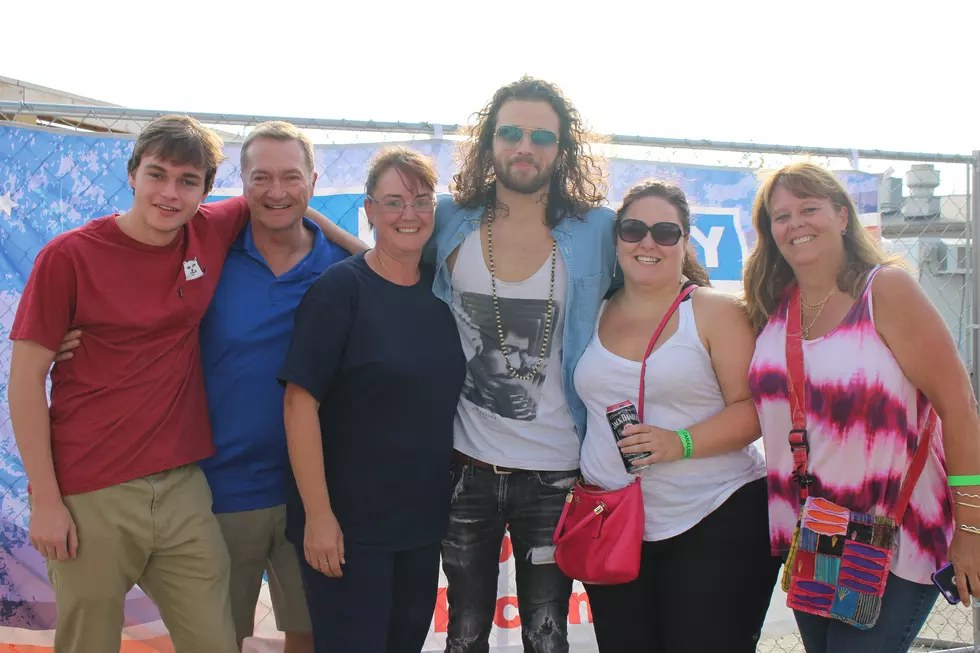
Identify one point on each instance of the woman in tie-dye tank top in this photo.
(877, 359)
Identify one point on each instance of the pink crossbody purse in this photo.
(600, 533)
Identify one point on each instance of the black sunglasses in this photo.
(514, 135)
(663, 233)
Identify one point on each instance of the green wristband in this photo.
(961, 481)
(688, 443)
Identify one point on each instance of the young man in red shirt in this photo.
(117, 497)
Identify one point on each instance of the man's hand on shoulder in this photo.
(335, 234)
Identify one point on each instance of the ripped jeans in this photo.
(528, 504)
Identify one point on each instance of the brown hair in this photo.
(413, 166)
(180, 140)
(672, 194)
(766, 274)
(577, 183)
(279, 131)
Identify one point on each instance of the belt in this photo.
(463, 459)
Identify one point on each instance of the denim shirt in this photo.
(588, 249)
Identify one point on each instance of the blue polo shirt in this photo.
(244, 338)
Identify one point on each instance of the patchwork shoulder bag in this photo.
(839, 560)
(600, 532)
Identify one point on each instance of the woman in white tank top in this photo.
(706, 537)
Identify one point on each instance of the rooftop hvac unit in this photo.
(951, 259)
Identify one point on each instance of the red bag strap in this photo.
(560, 537)
(797, 397)
(564, 513)
(915, 467)
(798, 444)
(685, 292)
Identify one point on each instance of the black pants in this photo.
(382, 604)
(529, 503)
(707, 589)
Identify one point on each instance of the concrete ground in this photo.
(948, 627)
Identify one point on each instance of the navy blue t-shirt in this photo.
(386, 364)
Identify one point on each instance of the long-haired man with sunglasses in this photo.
(524, 255)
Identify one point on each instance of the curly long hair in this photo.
(577, 183)
(766, 274)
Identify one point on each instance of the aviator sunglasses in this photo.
(664, 233)
(514, 135)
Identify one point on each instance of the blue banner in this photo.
(52, 181)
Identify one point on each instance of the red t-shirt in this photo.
(131, 402)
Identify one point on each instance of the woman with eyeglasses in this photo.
(703, 482)
(372, 376)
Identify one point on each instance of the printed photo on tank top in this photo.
(503, 419)
(489, 384)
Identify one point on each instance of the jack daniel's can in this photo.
(620, 416)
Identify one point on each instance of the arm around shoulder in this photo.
(335, 234)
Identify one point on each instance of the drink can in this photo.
(620, 416)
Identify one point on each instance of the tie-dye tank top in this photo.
(864, 420)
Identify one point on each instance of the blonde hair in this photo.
(280, 131)
(766, 273)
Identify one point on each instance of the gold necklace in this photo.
(496, 310)
(819, 306)
(807, 327)
(812, 307)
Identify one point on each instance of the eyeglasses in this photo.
(398, 205)
(514, 135)
(663, 233)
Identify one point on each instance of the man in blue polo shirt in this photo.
(244, 338)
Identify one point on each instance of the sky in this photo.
(881, 74)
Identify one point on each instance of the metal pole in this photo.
(109, 115)
(972, 230)
(972, 220)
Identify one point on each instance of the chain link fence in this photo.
(922, 209)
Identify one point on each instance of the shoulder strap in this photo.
(798, 444)
(685, 292)
(915, 468)
(871, 276)
(797, 397)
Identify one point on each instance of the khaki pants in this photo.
(257, 543)
(158, 532)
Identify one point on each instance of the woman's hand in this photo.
(323, 544)
(964, 553)
(663, 446)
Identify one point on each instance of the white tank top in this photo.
(681, 390)
(500, 419)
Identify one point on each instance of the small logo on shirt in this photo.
(192, 270)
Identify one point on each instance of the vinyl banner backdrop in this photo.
(52, 181)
